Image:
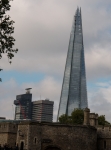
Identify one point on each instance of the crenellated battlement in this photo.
(8, 127)
(104, 128)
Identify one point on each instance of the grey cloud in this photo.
(42, 30)
(99, 104)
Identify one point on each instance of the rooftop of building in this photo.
(46, 101)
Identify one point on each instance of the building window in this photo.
(104, 144)
(35, 140)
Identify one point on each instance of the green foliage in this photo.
(6, 30)
(102, 120)
(77, 117)
(63, 119)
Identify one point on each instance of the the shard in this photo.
(74, 91)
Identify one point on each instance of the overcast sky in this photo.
(42, 31)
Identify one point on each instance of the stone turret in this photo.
(93, 119)
(86, 116)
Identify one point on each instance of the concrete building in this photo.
(42, 110)
(2, 118)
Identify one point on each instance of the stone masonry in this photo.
(54, 136)
(66, 137)
(8, 133)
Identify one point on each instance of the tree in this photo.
(6, 31)
(102, 120)
(63, 119)
(77, 117)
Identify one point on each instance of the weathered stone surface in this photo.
(104, 137)
(62, 136)
(54, 136)
(8, 133)
(70, 137)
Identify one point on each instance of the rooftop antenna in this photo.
(28, 90)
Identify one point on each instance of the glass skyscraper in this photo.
(74, 92)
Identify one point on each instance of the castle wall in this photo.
(54, 136)
(70, 137)
(8, 133)
(3, 138)
(65, 137)
(22, 135)
(35, 136)
(104, 137)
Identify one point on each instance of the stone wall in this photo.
(38, 136)
(22, 135)
(104, 137)
(3, 138)
(35, 136)
(11, 139)
(69, 137)
(8, 133)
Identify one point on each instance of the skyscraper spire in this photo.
(74, 92)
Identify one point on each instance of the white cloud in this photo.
(98, 62)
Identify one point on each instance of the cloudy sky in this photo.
(42, 30)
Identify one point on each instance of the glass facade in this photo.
(23, 108)
(74, 92)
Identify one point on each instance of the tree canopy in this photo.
(102, 120)
(6, 31)
(77, 117)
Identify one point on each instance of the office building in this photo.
(25, 108)
(42, 110)
(74, 92)
(23, 105)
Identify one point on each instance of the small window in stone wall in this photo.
(35, 140)
(104, 144)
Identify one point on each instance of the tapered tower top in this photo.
(74, 93)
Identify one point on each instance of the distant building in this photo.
(2, 118)
(42, 110)
(23, 105)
